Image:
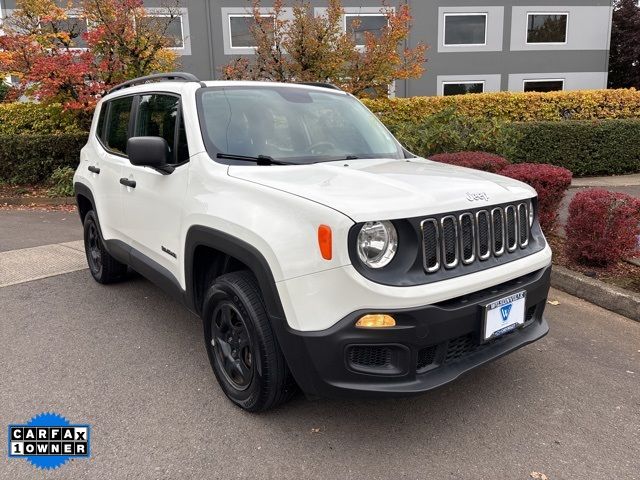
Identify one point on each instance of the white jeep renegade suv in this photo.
(316, 249)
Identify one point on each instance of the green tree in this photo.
(316, 48)
(624, 62)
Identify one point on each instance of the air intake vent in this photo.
(370, 356)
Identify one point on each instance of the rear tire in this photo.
(242, 348)
(103, 267)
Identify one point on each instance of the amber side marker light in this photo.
(377, 320)
(325, 241)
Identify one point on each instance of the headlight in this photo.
(531, 213)
(377, 243)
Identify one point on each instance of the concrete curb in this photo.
(607, 296)
(37, 201)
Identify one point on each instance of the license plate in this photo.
(504, 315)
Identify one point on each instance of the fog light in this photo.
(376, 320)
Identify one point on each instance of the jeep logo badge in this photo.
(476, 196)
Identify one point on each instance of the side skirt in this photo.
(148, 268)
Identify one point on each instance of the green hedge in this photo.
(33, 158)
(36, 118)
(587, 148)
(515, 106)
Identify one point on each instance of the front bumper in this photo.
(429, 346)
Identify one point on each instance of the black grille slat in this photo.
(430, 245)
(511, 225)
(449, 242)
(523, 222)
(467, 238)
(484, 245)
(497, 226)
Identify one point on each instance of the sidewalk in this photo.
(608, 182)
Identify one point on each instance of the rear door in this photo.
(113, 132)
(153, 209)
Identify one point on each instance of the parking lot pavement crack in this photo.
(27, 264)
(76, 245)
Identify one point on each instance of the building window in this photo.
(76, 27)
(462, 88)
(240, 27)
(174, 32)
(359, 25)
(547, 27)
(543, 85)
(465, 29)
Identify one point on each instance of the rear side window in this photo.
(117, 132)
(101, 121)
(159, 116)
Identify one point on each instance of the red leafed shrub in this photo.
(550, 182)
(602, 227)
(478, 160)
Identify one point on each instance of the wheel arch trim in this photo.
(201, 236)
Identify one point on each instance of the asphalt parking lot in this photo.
(131, 362)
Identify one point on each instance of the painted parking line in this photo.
(27, 264)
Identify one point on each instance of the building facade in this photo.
(474, 46)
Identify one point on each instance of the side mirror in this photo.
(148, 151)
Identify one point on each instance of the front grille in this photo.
(370, 356)
(467, 238)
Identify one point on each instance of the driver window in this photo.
(157, 117)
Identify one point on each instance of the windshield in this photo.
(295, 125)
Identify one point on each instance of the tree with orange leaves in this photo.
(40, 44)
(315, 48)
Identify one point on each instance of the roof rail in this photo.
(158, 77)
(321, 84)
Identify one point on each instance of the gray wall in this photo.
(503, 63)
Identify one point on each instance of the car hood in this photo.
(387, 189)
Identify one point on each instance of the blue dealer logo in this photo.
(505, 311)
(49, 441)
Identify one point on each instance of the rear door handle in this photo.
(128, 183)
(94, 169)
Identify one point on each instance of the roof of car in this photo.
(175, 80)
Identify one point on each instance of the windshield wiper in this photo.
(260, 159)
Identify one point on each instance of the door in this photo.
(114, 125)
(153, 207)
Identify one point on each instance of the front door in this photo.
(153, 207)
(113, 131)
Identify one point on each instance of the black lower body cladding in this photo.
(430, 346)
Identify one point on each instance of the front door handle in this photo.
(94, 169)
(128, 183)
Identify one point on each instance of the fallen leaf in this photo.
(553, 302)
(539, 476)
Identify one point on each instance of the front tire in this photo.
(243, 351)
(103, 267)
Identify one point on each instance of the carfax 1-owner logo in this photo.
(49, 441)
